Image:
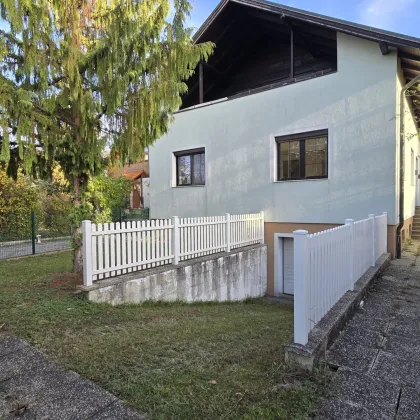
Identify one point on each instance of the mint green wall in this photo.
(358, 106)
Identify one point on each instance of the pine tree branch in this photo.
(11, 38)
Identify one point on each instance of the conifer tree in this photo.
(77, 75)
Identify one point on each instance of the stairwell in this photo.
(416, 225)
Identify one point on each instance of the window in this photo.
(190, 167)
(302, 156)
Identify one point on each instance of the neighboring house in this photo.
(138, 173)
(295, 114)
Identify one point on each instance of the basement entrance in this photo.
(283, 264)
(288, 266)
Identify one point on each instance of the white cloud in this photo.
(384, 13)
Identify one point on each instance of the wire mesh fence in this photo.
(50, 233)
(121, 215)
(34, 237)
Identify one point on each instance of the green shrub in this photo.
(54, 213)
(103, 195)
(57, 210)
(17, 199)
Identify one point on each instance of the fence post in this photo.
(350, 222)
(372, 217)
(385, 244)
(227, 232)
(301, 286)
(33, 231)
(87, 252)
(175, 239)
(262, 227)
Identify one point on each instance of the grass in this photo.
(172, 361)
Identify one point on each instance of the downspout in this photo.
(402, 151)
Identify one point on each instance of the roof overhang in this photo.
(408, 47)
(134, 175)
(363, 31)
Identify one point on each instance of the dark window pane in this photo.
(190, 168)
(199, 169)
(284, 160)
(316, 157)
(184, 170)
(310, 145)
(289, 159)
(310, 170)
(294, 159)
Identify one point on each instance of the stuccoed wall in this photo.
(357, 104)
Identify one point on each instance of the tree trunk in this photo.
(78, 252)
(77, 234)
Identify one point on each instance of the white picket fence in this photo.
(112, 249)
(327, 264)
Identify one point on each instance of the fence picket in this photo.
(329, 262)
(162, 242)
(123, 247)
(143, 244)
(138, 245)
(106, 248)
(112, 249)
(118, 247)
(100, 251)
(128, 246)
(94, 253)
(132, 246)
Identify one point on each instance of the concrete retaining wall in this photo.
(229, 276)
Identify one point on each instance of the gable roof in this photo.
(355, 29)
(408, 47)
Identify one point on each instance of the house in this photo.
(138, 174)
(298, 115)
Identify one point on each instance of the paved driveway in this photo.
(20, 248)
(34, 387)
(378, 353)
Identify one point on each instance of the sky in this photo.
(401, 16)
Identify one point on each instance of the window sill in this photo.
(301, 180)
(188, 186)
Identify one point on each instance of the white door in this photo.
(417, 181)
(288, 266)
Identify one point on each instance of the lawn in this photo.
(172, 361)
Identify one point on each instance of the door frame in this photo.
(417, 182)
(278, 262)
